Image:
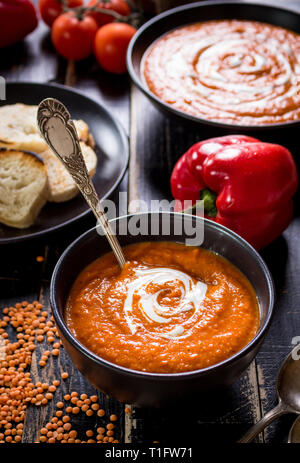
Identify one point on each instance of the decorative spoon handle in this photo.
(58, 130)
(263, 423)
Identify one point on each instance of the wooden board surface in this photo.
(156, 143)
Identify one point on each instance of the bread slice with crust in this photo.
(61, 185)
(19, 130)
(23, 187)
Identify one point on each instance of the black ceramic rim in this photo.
(162, 376)
(78, 217)
(197, 6)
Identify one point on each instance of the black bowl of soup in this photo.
(230, 65)
(187, 313)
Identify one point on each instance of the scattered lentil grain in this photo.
(17, 391)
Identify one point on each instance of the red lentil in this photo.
(17, 390)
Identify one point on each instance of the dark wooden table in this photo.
(155, 145)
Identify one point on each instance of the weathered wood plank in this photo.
(20, 262)
(110, 90)
(33, 60)
(283, 259)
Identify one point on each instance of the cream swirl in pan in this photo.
(161, 306)
(241, 72)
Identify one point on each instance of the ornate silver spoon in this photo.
(294, 434)
(288, 391)
(58, 130)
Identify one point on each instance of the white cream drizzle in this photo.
(236, 60)
(209, 75)
(192, 294)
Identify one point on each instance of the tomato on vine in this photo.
(118, 6)
(73, 35)
(51, 9)
(110, 47)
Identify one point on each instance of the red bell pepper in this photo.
(17, 19)
(246, 185)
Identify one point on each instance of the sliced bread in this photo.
(61, 185)
(19, 130)
(23, 187)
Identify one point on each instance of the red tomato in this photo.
(110, 47)
(119, 6)
(73, 38)
(51, 9)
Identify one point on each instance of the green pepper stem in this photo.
(209, 198)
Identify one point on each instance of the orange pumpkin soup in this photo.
(171, 309)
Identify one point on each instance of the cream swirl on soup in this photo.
(159, 303)
(241, 72)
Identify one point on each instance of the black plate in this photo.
(264, 11)
(111, 148)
